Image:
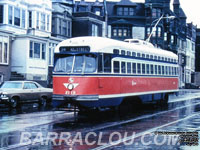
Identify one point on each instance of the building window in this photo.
(37, 22)
(95, 30)
(148, 31)
(37, 50)
(51, 53)
(131, 11)
(121, 31)
(3, 53)
(30, 19)
(82, 8)
(43, 51)
(17, 16)
(97, 10)
(120, 11)
(1, 13)
(125, 11)
(165, 36)
(159, 30)
(69, 28)
(31, 50)
(60, 27)
(172, 39)
(156, 12)
(23, 18)
(153, 32)
(48, 24)
(42, 23)
(10, 15)
(64, 28)
(53, 26)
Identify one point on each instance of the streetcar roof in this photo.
(106, 45)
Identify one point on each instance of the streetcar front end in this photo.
(74, 78)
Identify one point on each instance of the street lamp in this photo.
(158, 20)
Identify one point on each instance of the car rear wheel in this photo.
(43, 101)
(13, 102)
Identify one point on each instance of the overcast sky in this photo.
(190, 7)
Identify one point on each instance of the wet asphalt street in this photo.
(173, 126)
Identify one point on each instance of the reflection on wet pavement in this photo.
(181, 114)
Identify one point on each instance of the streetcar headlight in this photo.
(70, 87)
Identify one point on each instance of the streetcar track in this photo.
(140, 118)
(122, 123)
(106, 126)
(116, 124)
(144, 132)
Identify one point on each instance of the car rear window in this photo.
(9, 85)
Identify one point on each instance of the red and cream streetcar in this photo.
(100, 72)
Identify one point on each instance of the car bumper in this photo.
(4, 100)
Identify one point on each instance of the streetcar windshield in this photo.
(76, 64)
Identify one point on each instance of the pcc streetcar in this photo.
(93, 72)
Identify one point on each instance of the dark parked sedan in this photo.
(14, 93)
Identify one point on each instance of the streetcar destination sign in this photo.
(75, 49)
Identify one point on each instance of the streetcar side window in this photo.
(166, 70)
(134, 54)
(100, 63)
(123, 52)
(152, 69)
(177, 71)
(163, 70)
(170, 71)
(128, 53)
(116, 51)
(156, 69)
(143, 68)
(134, 68)
(123, 67)
(116, 66)
(139, 68)
(107, 63)
(143, 55)
(159, 69)
(148, 69)
(128, 67)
